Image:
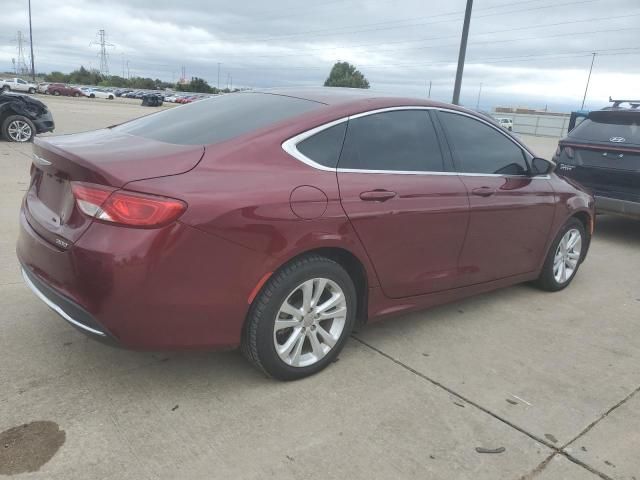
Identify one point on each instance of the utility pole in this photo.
(479, 93)
(593, 59)
(33, 68)
(462, 53)
(123, 66)
(218, 75)
(429, 92)
(128, 74)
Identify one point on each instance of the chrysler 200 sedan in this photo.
(276, 220)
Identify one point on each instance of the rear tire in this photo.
(307, 336)
(564, 257)
(6, 88)
(56, 93)
(32, 91)
(76, 94)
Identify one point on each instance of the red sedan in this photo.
(62, 89)
(276, 220)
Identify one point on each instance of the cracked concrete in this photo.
(552, 378)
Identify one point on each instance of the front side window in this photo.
(402, 140)
(479, 148)
(21, 81)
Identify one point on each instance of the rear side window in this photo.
(217, 119)
(403, 140)
(324, 147)
(603, 126)
(479, 148)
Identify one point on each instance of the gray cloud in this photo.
(533, 52)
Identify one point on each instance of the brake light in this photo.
(124, 207)
(569, 152)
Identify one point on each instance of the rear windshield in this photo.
(217, 119)
(604, 126)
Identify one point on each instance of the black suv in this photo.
(22, 117)
(603, 154)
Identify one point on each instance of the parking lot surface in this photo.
(553, 378)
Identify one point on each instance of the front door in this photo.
(407, 207)
(511, 212)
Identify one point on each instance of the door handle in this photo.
(483, 191)
(377, 195)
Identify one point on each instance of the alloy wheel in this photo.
(565, 261)
(19, 131)
(310, 322)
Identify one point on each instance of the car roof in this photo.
(341, 96)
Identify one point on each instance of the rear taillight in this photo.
(569, 152)
(124, 207)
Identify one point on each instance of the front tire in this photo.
(564, 257)
(32, 91)
(301, 319)
(56, 93)
(17, 128)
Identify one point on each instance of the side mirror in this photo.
(540, 166)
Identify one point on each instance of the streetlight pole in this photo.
(33, 68)
(593, 59)
(462, 53)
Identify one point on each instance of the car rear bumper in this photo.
(175, 287)
(617, 206)
(66, 308)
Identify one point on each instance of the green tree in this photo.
(343, 74)
(198, 85)
(56, 77)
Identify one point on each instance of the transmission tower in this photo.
(21, 64)
(101, 41)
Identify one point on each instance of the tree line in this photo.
(343, 74)
(83, 76)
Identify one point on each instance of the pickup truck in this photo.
(17, 85)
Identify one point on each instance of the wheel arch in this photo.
(343, 257)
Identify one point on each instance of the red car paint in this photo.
(252, 207)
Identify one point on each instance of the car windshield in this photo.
(603, 126)
(217, 119)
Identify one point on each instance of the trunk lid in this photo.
(104, 157)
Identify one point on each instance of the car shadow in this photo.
(618, 229)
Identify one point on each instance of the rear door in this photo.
(408, 208)
(511, 212)
(603, 154)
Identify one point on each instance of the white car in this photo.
(17, 85)
(506, 123)
(98, 93)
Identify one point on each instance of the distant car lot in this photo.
(516, 368)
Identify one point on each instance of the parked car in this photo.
(22, 117)
(603, 154)
(506, 123)
(99, 93)
(62, 89)
(42, 88)
(17, 85)
(261, 220)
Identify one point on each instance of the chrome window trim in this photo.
(56, 308)
(290, 146)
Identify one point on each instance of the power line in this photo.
(332, 31)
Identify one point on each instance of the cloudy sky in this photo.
(523, 52)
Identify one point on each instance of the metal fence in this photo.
(538, 124)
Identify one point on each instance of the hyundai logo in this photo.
(617, 139)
